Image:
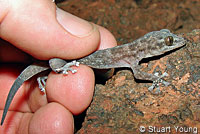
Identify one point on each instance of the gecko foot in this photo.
(67, 67)
(42, 83)
(156, 82)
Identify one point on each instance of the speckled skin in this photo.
(128, 55)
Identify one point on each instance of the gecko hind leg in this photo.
(42, 83)
(156, 82)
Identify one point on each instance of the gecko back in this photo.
(127, 55)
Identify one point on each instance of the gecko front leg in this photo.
(59, 65)
(138, 74)
(159, 80)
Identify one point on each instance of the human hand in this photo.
(36, 27)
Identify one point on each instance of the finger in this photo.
(45, 120)
(107, 40)
(9, 53)
(45, 31)
(53, 118)
(74, 91)
(11, 124)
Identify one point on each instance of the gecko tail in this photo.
(16, 85)
(28, 72)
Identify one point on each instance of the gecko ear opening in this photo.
(169, 40)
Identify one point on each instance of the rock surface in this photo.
(123, 105)
(131, 19)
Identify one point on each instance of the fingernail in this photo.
(74, 25)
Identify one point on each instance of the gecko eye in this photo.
(169, 40)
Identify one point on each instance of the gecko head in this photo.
(163, 41)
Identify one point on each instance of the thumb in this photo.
(44, 31)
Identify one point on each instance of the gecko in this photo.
(129, 55)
